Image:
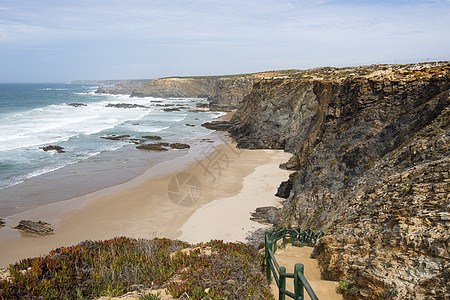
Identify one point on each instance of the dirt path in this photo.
(288, 257)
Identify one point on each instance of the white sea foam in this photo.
(57, 123)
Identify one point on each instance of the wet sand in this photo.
(220, 183)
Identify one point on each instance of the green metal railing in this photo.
(298, 237)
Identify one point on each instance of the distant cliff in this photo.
(371, 167)
(223, 92)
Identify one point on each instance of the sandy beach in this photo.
(208, 194)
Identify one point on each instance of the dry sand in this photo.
(223, 188)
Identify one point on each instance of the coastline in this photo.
(142, 207)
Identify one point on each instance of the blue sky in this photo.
(59, 41)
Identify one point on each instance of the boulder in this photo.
(39, 228)
(2, 223)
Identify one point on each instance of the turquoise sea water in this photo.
(37, 115)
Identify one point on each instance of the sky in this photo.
(64, 40)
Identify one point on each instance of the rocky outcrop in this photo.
(2, 223)
(284, 190)
(265, 215)
(38, 228)
(218, 125)
(371, 161)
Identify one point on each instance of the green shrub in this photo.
(406, 190)
(344, 285)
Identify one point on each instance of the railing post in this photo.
(298, 285)
(282, 286)
(267, 249)
(275, 245)
(284, 237)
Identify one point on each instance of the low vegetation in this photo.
(111, 268)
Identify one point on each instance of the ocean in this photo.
(72, 116)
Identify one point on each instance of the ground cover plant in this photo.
(111, 268)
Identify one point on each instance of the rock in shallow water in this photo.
(116, 137)
(39, 228)
(76, 104)
(151, 137)
(154, 147)
(56, 148)
(179, 146)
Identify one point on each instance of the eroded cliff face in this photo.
(371, 167)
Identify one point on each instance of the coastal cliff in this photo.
(371, 167)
